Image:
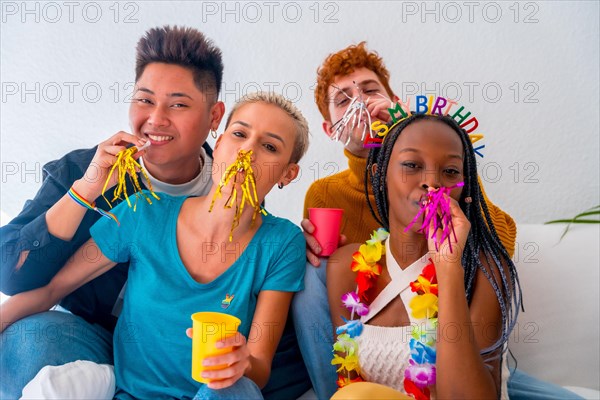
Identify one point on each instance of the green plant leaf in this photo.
(578, 219)
(573, 221)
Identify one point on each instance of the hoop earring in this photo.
(213, 133)
(280, 185)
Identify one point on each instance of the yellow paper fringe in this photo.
(126, 165)
(248, 187)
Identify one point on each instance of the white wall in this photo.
(542, 131)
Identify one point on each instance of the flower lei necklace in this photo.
(420, 373)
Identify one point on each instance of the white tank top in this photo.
(383, 352)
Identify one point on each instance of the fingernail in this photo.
(206, 363)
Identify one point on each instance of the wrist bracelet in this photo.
(91, 206)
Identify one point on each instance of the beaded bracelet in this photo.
(91, 206)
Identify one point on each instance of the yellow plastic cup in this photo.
(210, 328)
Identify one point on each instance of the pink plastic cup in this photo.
(327, 222)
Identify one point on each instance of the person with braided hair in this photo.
(474, 284)
(354, 73)
(351, 73)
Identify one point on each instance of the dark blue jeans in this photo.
(57, 338)
(49, 338)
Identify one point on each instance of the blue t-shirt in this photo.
(152, 352)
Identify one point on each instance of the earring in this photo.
(468, 199)
(213, 133)
(280, 185)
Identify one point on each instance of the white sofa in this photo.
(557, 338)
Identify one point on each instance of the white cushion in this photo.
(558, 336)
(75, 380)
(308, 395)
(588, 394)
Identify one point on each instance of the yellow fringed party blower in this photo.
(127, 166)
(248, 187)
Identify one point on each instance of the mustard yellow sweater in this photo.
(346, 190)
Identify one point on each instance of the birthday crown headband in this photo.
(428, 105)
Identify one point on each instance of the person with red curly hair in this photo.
(352, 72)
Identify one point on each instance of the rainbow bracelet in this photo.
(91, 206)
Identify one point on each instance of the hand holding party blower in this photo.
(127, 165)
(436, 207)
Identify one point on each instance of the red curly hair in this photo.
(343, 63)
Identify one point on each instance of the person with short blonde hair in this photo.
(255, 262)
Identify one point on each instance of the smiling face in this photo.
(168, 109)
(428, 153)
(270, 133)
(362, 82)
